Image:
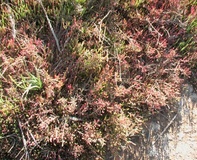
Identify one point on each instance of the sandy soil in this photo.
(170, 134)
(183, 142)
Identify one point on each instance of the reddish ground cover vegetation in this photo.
(79, 78)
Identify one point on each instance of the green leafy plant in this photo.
(139, 2)
(28, 84)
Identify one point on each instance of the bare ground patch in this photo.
(170, 134)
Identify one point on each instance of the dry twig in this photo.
(50, 26)
(165, 128)
(24, 141)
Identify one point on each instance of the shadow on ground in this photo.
(170, 134)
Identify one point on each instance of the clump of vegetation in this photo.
(79, 78)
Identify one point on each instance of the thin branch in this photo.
(101, 22)
(24, 141)
(52, 30)
(12, 21)
(95, 152)
(36, 143)
(13, 143)
(159, 34)
(165, 128)
(19, 153)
